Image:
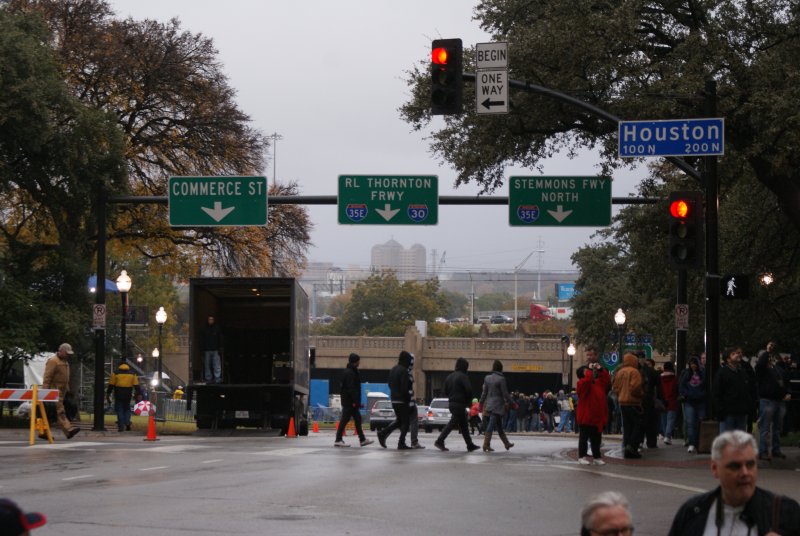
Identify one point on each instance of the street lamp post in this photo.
(154, 381)
(564, 374)
(571, 354)
(161, 318)
(619, 319)
(124, 286)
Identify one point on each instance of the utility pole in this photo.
(274, 137)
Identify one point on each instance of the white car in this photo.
(438, 414)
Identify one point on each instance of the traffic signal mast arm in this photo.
(680, 163)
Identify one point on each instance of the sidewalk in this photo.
(674, 455)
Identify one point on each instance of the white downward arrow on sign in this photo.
(387, 212)
(560, 214)
(217, 213)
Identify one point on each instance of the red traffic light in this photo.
(679, 208)
(439, 56)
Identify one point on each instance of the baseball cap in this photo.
(66, 347)
(14, 521)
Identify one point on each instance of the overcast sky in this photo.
(329, 78)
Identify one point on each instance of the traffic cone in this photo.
(151, 429)
(291, 432)
(315, 428)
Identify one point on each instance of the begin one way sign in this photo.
(491, 78)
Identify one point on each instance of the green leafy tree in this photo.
(54, 153)
(165, 89)
(456, 303)
(383, 306)
(651, 60)
(495, 301)
(639, 59)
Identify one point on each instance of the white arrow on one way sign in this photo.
(560, 214)
(217, 213)
(387, 212)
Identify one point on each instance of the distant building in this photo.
(408, 264)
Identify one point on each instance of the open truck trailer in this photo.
(265, 352)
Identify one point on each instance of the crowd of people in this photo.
(640, 400)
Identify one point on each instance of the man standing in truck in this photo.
(212, 346)
(351, 402)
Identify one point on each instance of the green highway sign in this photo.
(388, 199)
(217, 201)
(559, 201)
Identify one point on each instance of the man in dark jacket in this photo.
(773, 392)
(732, 392)
(400, 391)
(351, 402)
(459, 393)
(737, 506)
(651, 382)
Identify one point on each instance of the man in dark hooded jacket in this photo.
(400, 391)
(459, 393)
(351, 402)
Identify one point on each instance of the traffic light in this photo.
(447, 87)
(686, 229)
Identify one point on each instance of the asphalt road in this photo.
(254, 484)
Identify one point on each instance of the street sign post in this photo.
(217, 201)
(388, 199)
(491, 78)
(559, 201)
(673, 137)
(681, 317)
(99, 316)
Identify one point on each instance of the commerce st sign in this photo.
(388, 199)
(673, 137)
(559, 201)
(217, 201)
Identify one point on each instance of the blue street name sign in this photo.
(673, 137)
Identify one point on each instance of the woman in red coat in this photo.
(592, 413)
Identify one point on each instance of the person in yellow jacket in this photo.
(629, 389)
(123, 383)
(56, 376)
(178, 393)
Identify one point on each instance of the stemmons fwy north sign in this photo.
(388, 199)
(217, 201)
(559, 201)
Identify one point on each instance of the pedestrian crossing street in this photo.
(273, 449)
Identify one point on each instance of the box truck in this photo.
(265, 352)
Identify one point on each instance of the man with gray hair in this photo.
(605, 514)
(737, 505)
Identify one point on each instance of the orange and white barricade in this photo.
(36, 397)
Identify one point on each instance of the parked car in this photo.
(381, 415)
(438, 414)
(422, 414)
(502, 319)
